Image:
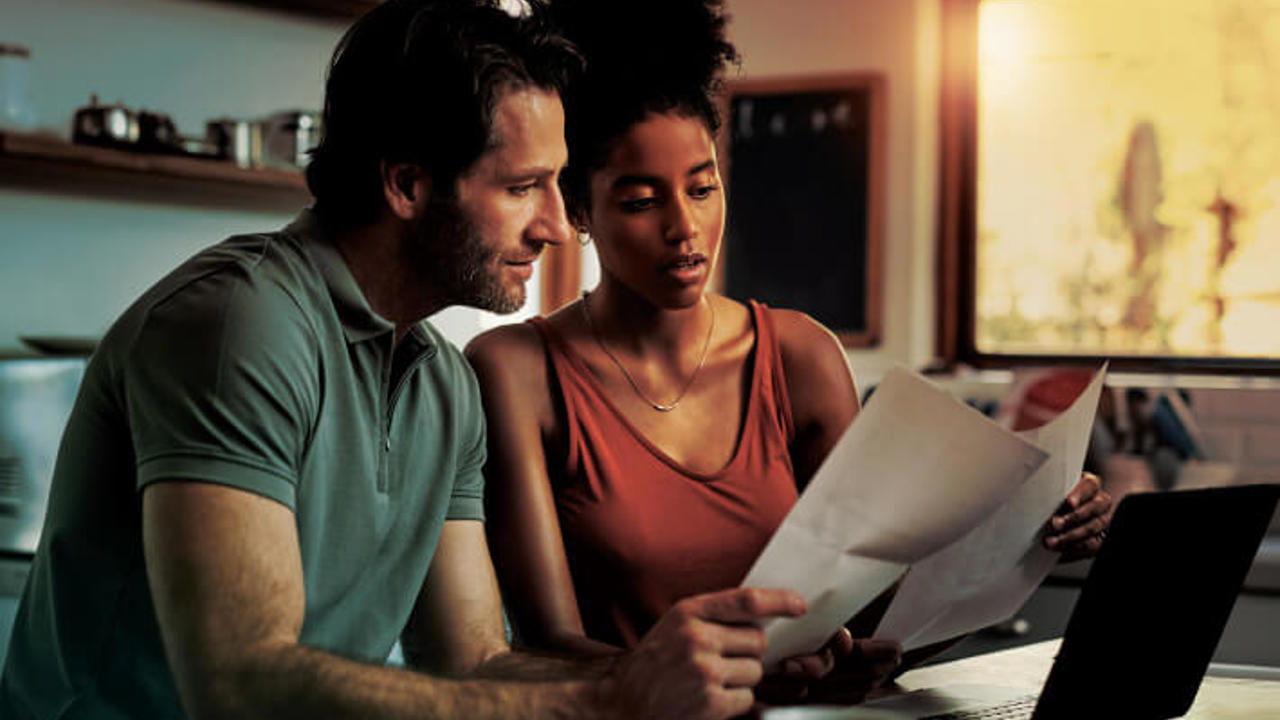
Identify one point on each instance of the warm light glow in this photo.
(1129, 177)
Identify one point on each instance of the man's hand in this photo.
(1080, 525)
(701, 660)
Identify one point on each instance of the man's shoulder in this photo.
(270, 262)
(254, 285)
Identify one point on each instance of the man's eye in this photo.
(639, 204)
(521, 190)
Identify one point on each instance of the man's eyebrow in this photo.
(627, 180)
(529, 173)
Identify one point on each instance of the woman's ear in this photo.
(406, 187)
(581, 225)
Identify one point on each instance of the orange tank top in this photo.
(642, 532)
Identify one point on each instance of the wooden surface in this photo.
(46, 164)
(1220, 698)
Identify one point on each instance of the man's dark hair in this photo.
(656, 56)
(418, 81)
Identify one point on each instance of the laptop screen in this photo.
(1155, 603)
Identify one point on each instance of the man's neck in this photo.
(385, 272)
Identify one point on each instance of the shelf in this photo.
(328, 9)
(45, 164)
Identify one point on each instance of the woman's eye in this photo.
(703, 191)
(639, 204)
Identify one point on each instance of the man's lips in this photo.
(522, 267)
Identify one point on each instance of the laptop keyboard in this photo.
(1015, 709)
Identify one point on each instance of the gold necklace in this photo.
(660, 407)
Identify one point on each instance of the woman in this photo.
(647, 439)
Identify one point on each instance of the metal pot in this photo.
(239, 141)
(157, 133)
(109, 125)
(289, 136)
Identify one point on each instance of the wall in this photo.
(69, 264)
(898, 38)
(1242, 428)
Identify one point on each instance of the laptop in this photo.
(1144, 628)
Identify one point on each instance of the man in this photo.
(273, 467)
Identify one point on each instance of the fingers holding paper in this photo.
(867, 665)
(816, 665)
(796, 674)
(702, 658)
(1080, 525)
(843, 671)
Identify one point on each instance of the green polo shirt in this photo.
(259, 365)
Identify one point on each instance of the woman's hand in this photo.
(1080, 525)
(843, 671)
(866, 666)
(791, 682)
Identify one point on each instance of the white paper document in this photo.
(914, 472)
(985, 576)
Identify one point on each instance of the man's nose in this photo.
(552, 225)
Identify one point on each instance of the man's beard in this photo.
(452, 255)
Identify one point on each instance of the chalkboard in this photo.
(804, 192)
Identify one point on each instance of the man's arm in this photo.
(226, 579)
(457, 629)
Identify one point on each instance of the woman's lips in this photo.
(687, 269)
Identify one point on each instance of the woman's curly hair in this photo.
(656, 56)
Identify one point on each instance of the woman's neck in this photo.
(630, 322)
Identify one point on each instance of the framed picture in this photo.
(803, 160)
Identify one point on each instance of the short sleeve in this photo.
(222, 384)
(467, 500)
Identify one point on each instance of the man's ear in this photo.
(406, 188)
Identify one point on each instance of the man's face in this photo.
(480, 244)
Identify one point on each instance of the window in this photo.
(1117, 170)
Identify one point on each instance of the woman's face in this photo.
(657, 210)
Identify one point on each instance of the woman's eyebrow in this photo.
(703, 166)
(651, 180)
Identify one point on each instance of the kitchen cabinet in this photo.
(33, 162)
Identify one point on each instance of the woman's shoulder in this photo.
(517, 341)
(801, 338)
(510, 362)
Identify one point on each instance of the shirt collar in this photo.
(359, 321)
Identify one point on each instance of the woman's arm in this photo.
(523, 529)
(824, 399)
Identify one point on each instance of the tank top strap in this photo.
(769, 352)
